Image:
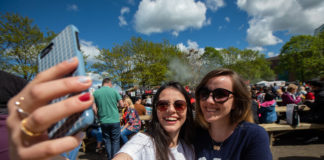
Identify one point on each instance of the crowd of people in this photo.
(265, 99)
(223, 127)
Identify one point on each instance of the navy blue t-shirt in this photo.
(248, 141)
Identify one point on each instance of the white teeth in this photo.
(212, 109)
(171, 119)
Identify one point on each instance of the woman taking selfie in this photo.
(170, 128)
(224, 115)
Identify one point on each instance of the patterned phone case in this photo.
(63, 47)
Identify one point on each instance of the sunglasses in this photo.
(179, 105)
(220, 95)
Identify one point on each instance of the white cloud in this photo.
(169, 15)
(96, 79)
(207, 22)
(257, 48)
(214, 5)
(190, 45)
(227, 19)
(90, 50)
(272, 54)
(268, 17)
(175, 33)
(72, 7)
(122, 21)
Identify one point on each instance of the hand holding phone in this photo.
(63, 47)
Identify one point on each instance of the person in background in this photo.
(139, 107)
(316, 113)
(310, 95)
(301, 92)
(106, 99)
(95, 131)
(289, 96)
(261, 94)
(255, 106)
(170, 130)
(280, 92)
(10, 85)
(132, 122)
(274, 89)
(268, 109)
(224, 116)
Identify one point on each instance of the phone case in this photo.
(63, 47)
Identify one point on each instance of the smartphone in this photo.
(63, 47)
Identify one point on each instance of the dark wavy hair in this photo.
(242, 97)
(160, 137)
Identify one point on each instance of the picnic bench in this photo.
(285, 128)
(145, 117)
(282, 109)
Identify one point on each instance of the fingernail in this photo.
(84, 79)
(85, 97)
(70, 60)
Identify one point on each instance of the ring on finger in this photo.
(28, 131)
(22, 113)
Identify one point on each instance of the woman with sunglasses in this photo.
(169, 133)
(223, 112)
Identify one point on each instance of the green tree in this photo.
(251, 65)
(137, 62)
(115, 64)
(302, 57)
(20, 43)
(316, 64)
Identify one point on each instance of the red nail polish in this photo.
(85, 97)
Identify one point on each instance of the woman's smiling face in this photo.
(171, 120)
(213, 111)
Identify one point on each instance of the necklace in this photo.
(216, 146)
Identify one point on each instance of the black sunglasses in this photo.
(220, 95)
(179, 105)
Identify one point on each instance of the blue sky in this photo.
(264, 25)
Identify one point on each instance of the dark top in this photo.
(317, 108)
(255, 107)
(10, 86)
(248, 141)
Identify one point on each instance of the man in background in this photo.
(316, 113)
(139, 107)
(106, 99)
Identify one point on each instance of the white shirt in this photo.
(140, 147)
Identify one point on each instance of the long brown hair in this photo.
(160, 137)
(242, 98)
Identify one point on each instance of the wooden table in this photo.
(281, 109)
(145, 117)
(285, 128)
